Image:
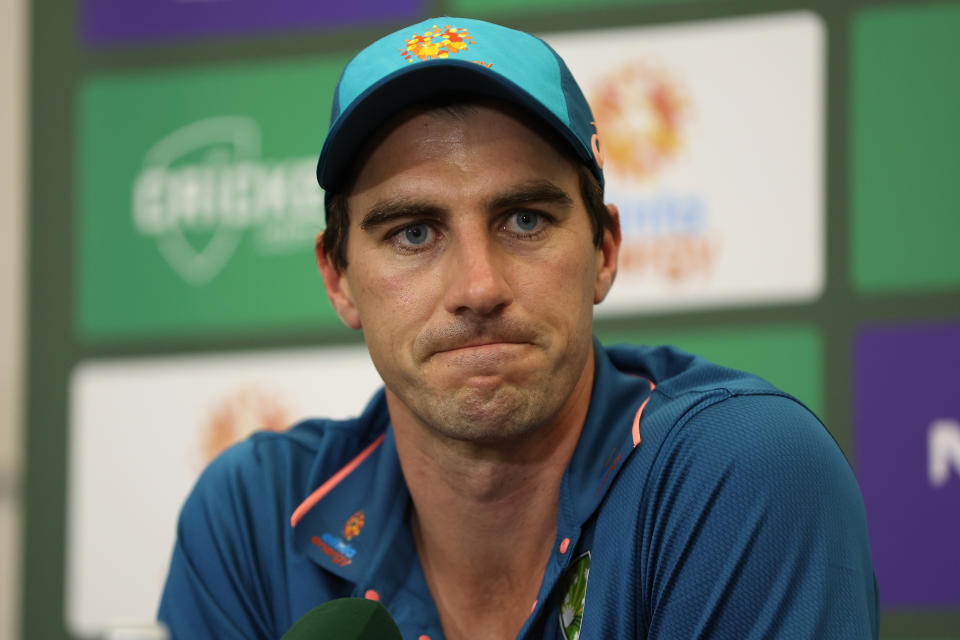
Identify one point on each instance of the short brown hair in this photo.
(591, 191)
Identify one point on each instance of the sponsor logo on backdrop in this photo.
(205, 188)
(237, 415)
(943, 452)
(713, 140)
(908, 451)
(642, 114)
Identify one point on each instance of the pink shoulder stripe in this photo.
(334, 480)
(636, 418)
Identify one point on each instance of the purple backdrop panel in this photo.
(124, 21)
(908, 435)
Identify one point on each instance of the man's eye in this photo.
(415, 234)
(524, 221)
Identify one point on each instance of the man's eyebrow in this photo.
(529, 192)
(392, 209)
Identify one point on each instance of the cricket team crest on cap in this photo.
(575, 597)
(354, 524)
(436, 43)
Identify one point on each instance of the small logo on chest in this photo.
(340, 551)
(575, 597)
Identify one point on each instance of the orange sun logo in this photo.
(641, 114)
(238, 414)
(436, 43)
(354, 524)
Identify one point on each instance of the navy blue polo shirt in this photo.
(700, 502)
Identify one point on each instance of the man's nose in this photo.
(476, 279)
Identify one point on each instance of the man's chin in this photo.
(487, 411)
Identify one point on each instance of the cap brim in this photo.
(415, 85)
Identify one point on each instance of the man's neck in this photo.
(485, 516)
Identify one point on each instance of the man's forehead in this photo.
(415, 122)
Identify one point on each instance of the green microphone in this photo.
(345, 619)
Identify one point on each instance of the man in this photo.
(514, 478)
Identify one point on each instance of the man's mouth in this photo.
(482, 344)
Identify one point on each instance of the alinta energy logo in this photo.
(642, 116)
(204, 188)
(340, 551)
(641, 112)
(436, 43)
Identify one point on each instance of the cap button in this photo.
(372, 595)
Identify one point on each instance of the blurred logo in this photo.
(575, 597)
(943, 451)
(340, 551)
(354, 524)
(239, 414)
(667, 236)
(436, 43)
(204, 186)
(640, 113)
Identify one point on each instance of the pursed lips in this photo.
(485, 343)
(483, 352)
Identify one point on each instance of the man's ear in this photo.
(607, 256)
(337, 286)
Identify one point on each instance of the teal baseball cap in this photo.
(446, 56)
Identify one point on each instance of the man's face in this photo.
(473, 273)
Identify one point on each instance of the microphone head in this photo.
(345, 619)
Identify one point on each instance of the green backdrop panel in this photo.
(905, 184)
(789, 357)
(502, 7)
(198, 203)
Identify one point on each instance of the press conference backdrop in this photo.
(789, 190)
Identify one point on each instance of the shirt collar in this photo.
(610, 434)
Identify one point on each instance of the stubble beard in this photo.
(482, 417)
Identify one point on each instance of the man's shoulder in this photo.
(684, 386)
(706, 424)
(678, 373)
(733, 483)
